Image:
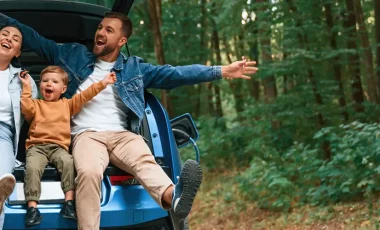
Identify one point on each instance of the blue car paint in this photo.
(120, 205)
(124, 206)
(166, 135)
(153, 127)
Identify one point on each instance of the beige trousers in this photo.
(93, 151)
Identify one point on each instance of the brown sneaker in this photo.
(7, 184)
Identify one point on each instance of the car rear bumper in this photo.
(121, 206)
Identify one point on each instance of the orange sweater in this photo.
(50, 121)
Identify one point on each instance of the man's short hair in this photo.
(125, 21)
(56, 69)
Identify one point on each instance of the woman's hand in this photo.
(109, 79)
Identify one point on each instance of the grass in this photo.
(219, 205)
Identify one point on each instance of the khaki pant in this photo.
(92, 153)
(36, 159)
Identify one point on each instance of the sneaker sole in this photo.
(191, 177)
(68, 217)
(35, 223)
(7, 184)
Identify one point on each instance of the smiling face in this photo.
(109, 39)
(10, 43)
(52, 86)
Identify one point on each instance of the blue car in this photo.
(125, 204)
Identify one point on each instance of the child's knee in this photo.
(34, 167)
(66, 163)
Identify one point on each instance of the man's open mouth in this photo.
(100, 42)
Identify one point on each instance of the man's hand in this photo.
(25, 80)
(109, 79)
(239, 69)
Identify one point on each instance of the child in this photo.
(49, 136)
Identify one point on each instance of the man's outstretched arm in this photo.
(169, 77)
(33, 41)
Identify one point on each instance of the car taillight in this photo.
(123, 180)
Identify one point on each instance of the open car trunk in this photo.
(63, 22)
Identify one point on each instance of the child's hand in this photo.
(24, 77)
(109, 79)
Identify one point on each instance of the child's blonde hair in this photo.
(56, 69)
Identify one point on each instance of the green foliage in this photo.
(301, 173)
(291, 157)
(265, 183)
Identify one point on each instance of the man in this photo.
(100, 131)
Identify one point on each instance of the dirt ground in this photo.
(219, 207)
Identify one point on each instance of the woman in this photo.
(10, 114)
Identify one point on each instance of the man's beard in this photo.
(107, 49)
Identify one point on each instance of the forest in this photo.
(295, 147)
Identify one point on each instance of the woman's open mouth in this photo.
(5, 45)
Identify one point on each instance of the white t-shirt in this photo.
(106, 111)
(6, 111)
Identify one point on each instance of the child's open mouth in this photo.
(48, 92)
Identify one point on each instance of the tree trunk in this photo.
(269, 82)
(202, 57)
(218, 105)
(234, 85)
(317, 95)
(254, 46)
(219, 111)
(377, 40)
(270, 89)
(239, 100)
(336, 66)
(356, 83)
(368, 60)
(210, 99)
(155, 21)
(318, 98)
(285, 84)
(303, 43)
(159, 12)
(197, 106)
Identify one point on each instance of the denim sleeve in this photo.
(3, 20)
(33, 41)
(34, 89)
(169, 77)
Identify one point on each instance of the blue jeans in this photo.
(7, 155)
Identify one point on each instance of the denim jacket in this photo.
(133, 75)
(15, 89)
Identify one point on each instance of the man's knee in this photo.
(88, 174)
(82, 142)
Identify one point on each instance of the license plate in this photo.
(51, 193)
